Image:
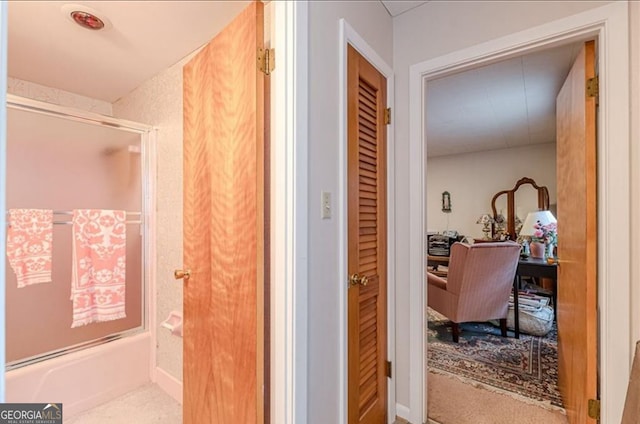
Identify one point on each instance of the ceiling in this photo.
(145, 37)
(502, 105)
(506, 104)
(398, 7)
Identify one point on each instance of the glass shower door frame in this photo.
(147, 216)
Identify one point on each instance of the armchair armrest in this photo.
(439, 282)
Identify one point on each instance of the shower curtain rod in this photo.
(71, 213)
(70, 222)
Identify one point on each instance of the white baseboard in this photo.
(168, 383)
(403, 412)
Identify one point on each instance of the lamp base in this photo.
(486, 230)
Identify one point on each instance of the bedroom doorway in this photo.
(608, 26)
(527, 367)
(501, 96)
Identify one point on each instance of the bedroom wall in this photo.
(426, 32)
(472, 179)
(373, 23)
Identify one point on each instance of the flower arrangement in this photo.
(546, 233)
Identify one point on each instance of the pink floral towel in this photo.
(29, 245)
(98, 268)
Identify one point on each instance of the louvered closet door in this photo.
(367, 304)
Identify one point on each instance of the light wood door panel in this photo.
(367, 304)
(577, 236)
(224, 231)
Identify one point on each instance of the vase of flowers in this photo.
(546, 234)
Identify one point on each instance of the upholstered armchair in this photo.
(478, 284)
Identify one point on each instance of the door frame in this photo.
(4, 32)
(609, 26)
(349, 36)
(289, 212)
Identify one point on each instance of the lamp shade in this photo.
(544, 217)
(485, 219)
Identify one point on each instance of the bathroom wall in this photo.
(55, 96)
(158, 102)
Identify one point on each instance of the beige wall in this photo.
(429, 31)
(373, 23)
(158, 102)
(473, 178)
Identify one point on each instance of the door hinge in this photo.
(593, 87)
(594, 409)
(388, 368)
(387, 116)
(266, 60)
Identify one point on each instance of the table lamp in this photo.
(544, 217)
(486, 220)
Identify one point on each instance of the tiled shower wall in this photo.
(58, 97)
(158, 102)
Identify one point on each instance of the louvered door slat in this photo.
(367, 242)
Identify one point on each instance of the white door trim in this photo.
(609, 25)
(349, 36)
(3, 171)
(289, 210)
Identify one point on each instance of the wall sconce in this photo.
(446, 202)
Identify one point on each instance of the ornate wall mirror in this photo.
(524, 197)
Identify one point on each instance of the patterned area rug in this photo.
(526, 366)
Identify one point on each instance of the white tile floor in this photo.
(146, 405)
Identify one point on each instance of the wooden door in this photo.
(577, 236)
(367, 298)
(224, 230)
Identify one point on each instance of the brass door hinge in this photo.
(388, 369)
(387, 116)
(266, 60)
(594, 409)
(593, 88)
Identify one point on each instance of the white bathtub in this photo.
(84, 379)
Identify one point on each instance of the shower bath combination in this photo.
(62, 159)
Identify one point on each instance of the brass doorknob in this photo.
(356, 279)
(182, 274)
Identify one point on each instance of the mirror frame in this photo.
(543, 204)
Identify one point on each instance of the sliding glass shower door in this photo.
(60, 161)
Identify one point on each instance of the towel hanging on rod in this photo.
(70, 214)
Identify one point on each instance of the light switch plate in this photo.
(325, 204)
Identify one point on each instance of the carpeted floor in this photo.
(452, 401)
(525, 368)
